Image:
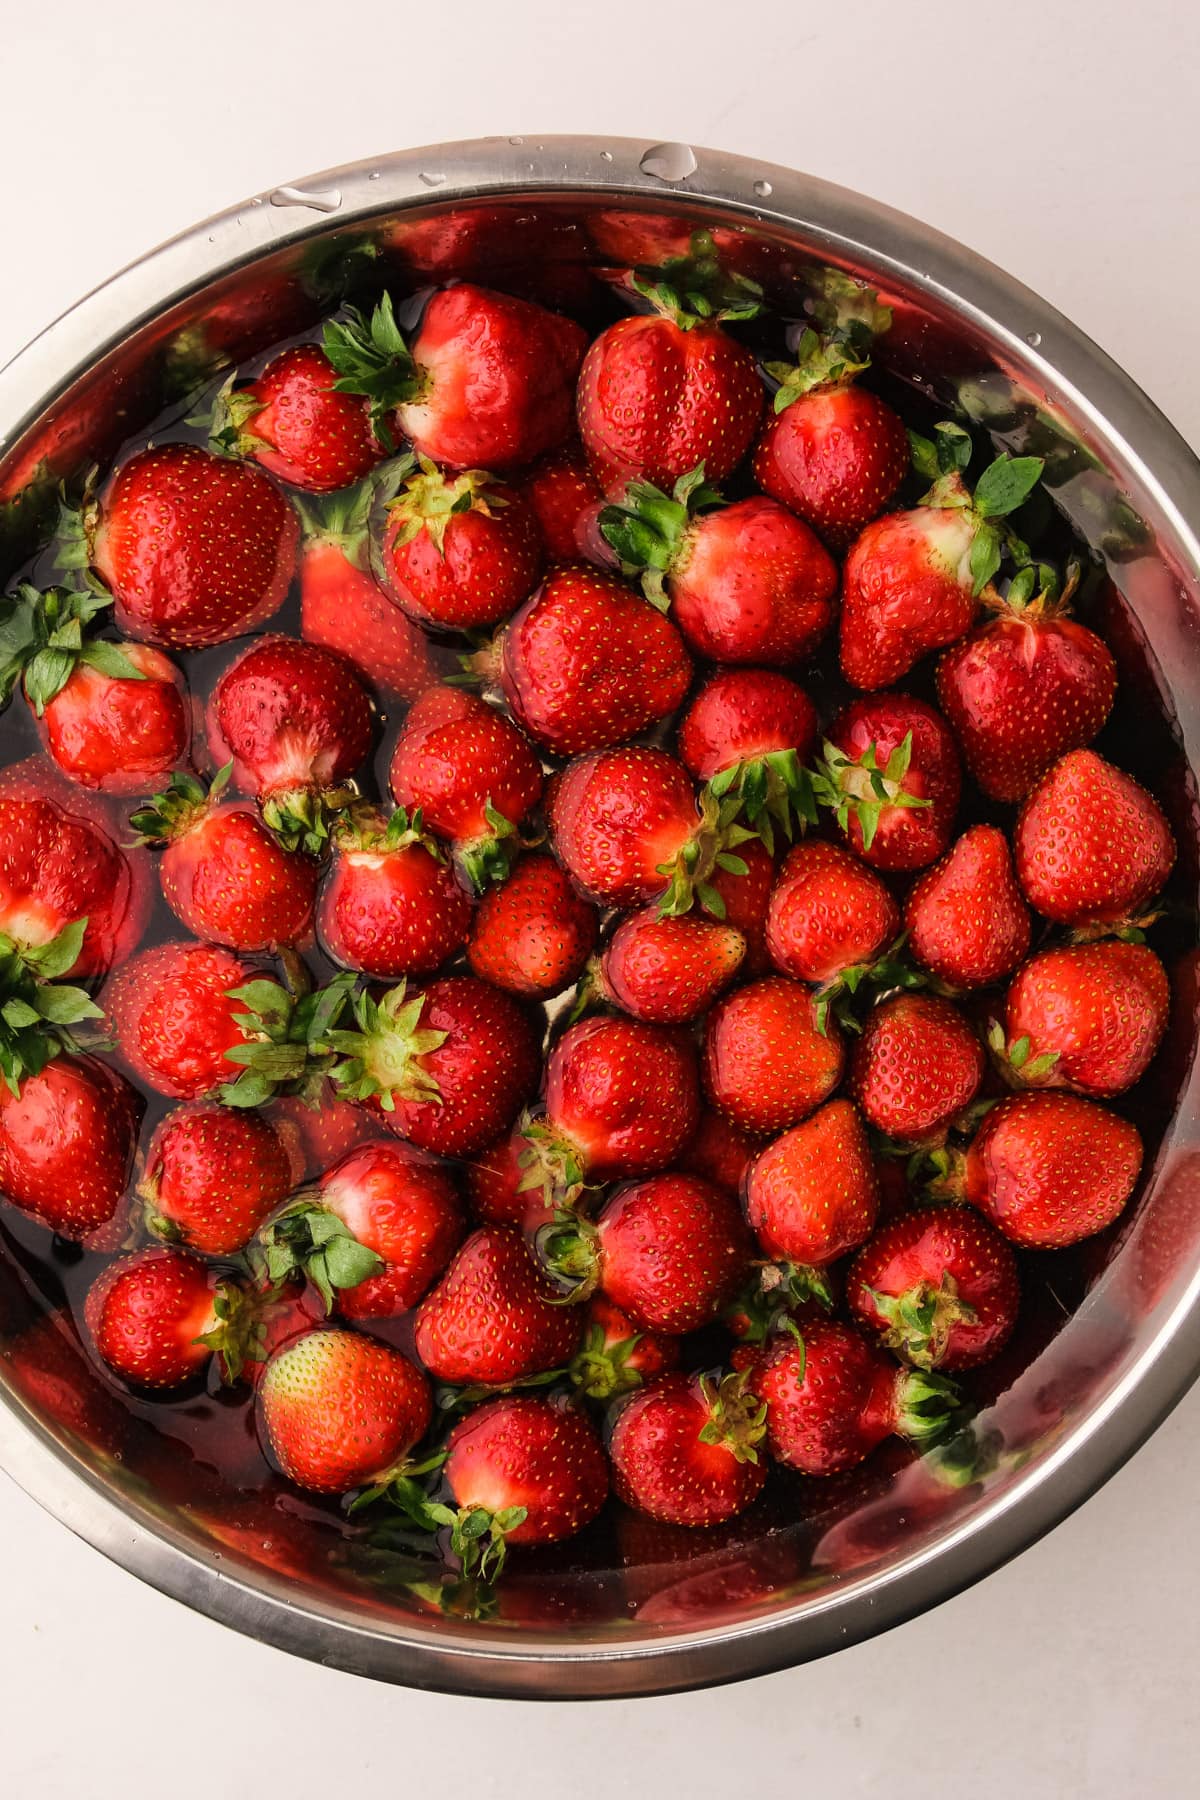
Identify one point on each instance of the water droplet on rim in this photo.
(374, 175)
(324, 200)
(669, 162)
(430, 179)
(606, 156)
(763, 189)
(516, 140)
(1033, 338)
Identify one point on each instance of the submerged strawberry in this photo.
(1086, 1016)
(532, 933)
(158, 1317)
(830, 916)
(748, 732)
(812, 1194)
(389, 905)
(1091, 846)
(966, 920)
(891, 777)
(67, 1140)
(566, 499)
(938, 1286)
(536, 1457)
(293, 423)
(212, 1175)
(614, 1356)
(59, 868)
(686, 1450)
(667, 970)
(917, 1065)
(459, 551)
(338, 1410)
(174, 1016)
(767, 1062)
(494, 1317)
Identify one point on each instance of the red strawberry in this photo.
(496, 1183)
(212, 1176)
(292, 423)
(158, 1316)
(1088, 1017)
(58, 867)
(966, 920)
(615, 1356)
(472, 775)
(448, 1065)
(812, 1194)
(223, 873)
(1091, 846)
(587, 662)
(297, 723)
(533, 934)
(389, 905)
(668, 970)
(670, 1252)
(488, 381)
(719, 1152)
(316, 1134)
(686, 1451)
(938, 1286)
(745, 894)
(194, 548)
(339, 1410)
(538, 1456)
(1049, 1169)
(767, 1064)
(66, 1144)
(174, 1017)
(494, 1318)
(1025, 687)
(892, 779)
(459, 551)
(916, 1066)
(747, 732)
(829, 915)
(566, 499)
(747, 583)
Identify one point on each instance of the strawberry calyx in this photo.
(372, 358)
(342, 520)
(75, 534)
(773, 792)
(825, 361)
(737, 1419)
(551, 1163)
(765, 1305)
(37, 1009)
(228, 421)
(477, 1537)
(568, 1248)
(236, 1335)
(711, 846)
(649, 530)
(429, 500)
(1035, 594)
(43, 640)
(381, 1059)
(889, 973)
(840, 300)
(601, 1370)
(860, 788)
(919, 1320)
(307, 1240)
(363, 826)
(302, 818)
(1004, 485)
(285, 1049)
(940, 1173)
(926, 1407)
(1014, 1063)
(179, 808)
(696, 289)
(488, 859)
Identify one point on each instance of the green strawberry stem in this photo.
(869, 983)
(737, 1420)
(1003, 486)
(601, 1370)
(823, 361)
(773, 792)
(649, 532)
(303, 817)
(37, 1010)
(429, 500)
(1013, 1062)
(477, 1537)
(343, 520)
(227, 422)
(568, 1248)
(180, 806)
(696, 289)
(487, 859)
(765, 1304)
(308, 1240)
(862, 789)
(712, 846)
(382, 1057)
(43, 640)
(237, 1336)
(372, 358)
(919, 1321)
(927, 1407)
(286, 1049)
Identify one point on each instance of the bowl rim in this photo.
(1049, 351)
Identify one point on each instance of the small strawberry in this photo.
(338, 1410)
(471, 773)
(719, 1152)
(292, 422)
(158, 1317)
(459, 551)
(1087, 1016)
(966, 919)
(566, 499)
(58, 868)
(938, 1286)
(587, 662)
(389, 905)
(487, 383)
(747, 583)
(318, 1133)
(667, 970)
(912, 580)
(748, 732)
(494, 1317)
(212, 1175)
(194, 548)
(533, 934)
(174, 1016)
(917, 1065)
(67, 1139)
(535, 1456)
(742, 881)
(497, 1186)
(812, 1194)
(614, 1356)
(1091, 846)
(767, 1063)
(891, 777)
(687, 1450)
(1026, 686)
(830, 917)
(297, 723)
(223, 873)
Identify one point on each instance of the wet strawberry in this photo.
(812, 1194)
(1049, 1169)
(829, 915)
(66, 1144)
(917, 1065)
(494, 1317)
(174, 1017)
(966, 919)
(938, 1286)
(1087, 1016)
(1091, 846)
(719, 1152)
(58, 867)
(533, 934)
(748, 732)
(566, 499)
(389, 904)
(767, 1063)
(292, 423)
(498, 1188)
(615, 1356)
(539, 1456)
(459, 551)
(316, 1135)
(667, 970)
(158, 1317)
(891, 777)
(212, 1175)
(686, 1450)
(338, 1410)
(670, 1252)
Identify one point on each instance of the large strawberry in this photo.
(223, 873)
(194, 548)
(293, 423)
(533, 933)
(158, 1317)
(1086, 1016)
(667, 970)
(494, 1317)
(174, 1016)
(892, 779)
(212, 1175)
(767, 1061)
(487, 383)
(338, 1410)
(917, 1065)
(614, 1356)
(58, 868)
(748, 732)
(812, 1194)
(297, 724)
(587, 662)
(537, 1456)
(939, 1286)
(830, 916)
(566, 499)
(912, 580)
(1091, 846)
(459, 551)
(67, 1139)
(389, 905)
(471, 774)
(687, 1450)
(966, 920)
(1026, 686)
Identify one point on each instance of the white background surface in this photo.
(1061, 141)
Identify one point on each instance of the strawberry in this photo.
(297, 723)
(744, 895)
(587, 662)
(174, 1016)
(767, 1063)
(533, 934)
(494, 1317)
(292, 422)
(812, 1194)
(917, 1065)
(58, 868)
(686, 1450)
(338, 1410)
(747, 583)
(498, 1189)
(379, 1227)
(891, 777)
(1049, 1169)
(1087, 1016)
(536, 1456)
(157, 1317)
(343, 608)
(966, 920)
(719, 1152)
(459, 551)
(614, 1356)
(67, 1140)
(938, 1286)
(1091, 846)
(829, 917)
(212, 1175)
(448, 1065)
(1026, 686)
(389, 905)
(194, 548)
(487, 383)
(565, 498)
(912, 580)
(318, 1134)
(830, 1398)
(667, 970)
(747, 732)
(471, 773)
(223, 873)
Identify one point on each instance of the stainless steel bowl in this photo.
(1089, 1387)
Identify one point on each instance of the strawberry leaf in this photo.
(1005, 484)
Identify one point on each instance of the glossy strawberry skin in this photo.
(343, 608)
(145, 1313)
(746, 899)
(669, 970)
(455, 757)
(1091, 846)
(828, 912)
(230, 881)
(533, 934)
(741, 714)
(195, 548)
(587, 662)
(829, 1403)
(67, 1142)
(673, 1250)
(524, 1451)
(566, 498)
(616, 816)
(289, 714)
(663, 1468)
(494, 1184)
(487, 562)
(212, 1176)
(906, 590)
(1050, 1168)
(835, 457)
(719, 1152)
(812, 1194)
(170, 1009)
(752, 585)
(1100, 1009)
(120, 734)
(916, 1066)
(654, 400)
(315, 1137)
(338, 1409)
(654, 1353)
(494, 1317)
(304, 433)
(57, 866)
(403, 1206)
(925, 1250)
(623, 1094)
(766, 1064)
(391, 912)
(908, 837)
(966, 919)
